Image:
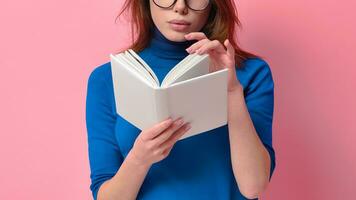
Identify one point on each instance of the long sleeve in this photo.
(104, 155)
(259, 99)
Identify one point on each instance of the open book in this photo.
(189, 90)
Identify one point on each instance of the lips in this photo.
(181, 22)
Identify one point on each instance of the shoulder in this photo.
(100, 73)
(255, 66)
(99, 85)
(100, 80)
(255, 71)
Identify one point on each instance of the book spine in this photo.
(161, 104)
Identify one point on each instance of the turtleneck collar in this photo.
(165, 48)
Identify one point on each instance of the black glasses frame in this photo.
(185, 1)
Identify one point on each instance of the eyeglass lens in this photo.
(193, 4)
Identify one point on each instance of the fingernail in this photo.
(188, 126)
(188, 50)
(180, 121)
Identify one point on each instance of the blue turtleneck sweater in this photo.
(198, 167)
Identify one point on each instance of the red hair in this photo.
(221, 24)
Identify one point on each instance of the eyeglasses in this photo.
(196, 5)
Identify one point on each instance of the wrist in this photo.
(133, 160)
(236, 88)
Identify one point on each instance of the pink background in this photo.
(48, 49)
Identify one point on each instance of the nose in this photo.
(180, 7)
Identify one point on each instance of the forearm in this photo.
(250, 159)
(126, 183)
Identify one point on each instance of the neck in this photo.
(165, 48)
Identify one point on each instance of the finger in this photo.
(213, 45)
(168, 132)
(213, 65)
(230, 49)
(178, 134)
(197, 45)
(156, 129)
(195, 36)
(167, 151)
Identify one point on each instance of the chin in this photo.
(177, 36)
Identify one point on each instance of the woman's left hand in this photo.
(220, 57)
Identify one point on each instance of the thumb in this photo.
(230, 48)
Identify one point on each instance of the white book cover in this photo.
(188, 90)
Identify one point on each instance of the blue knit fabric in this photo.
(198, 167)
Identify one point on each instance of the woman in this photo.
(235, 161)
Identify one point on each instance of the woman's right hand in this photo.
(155, 143)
